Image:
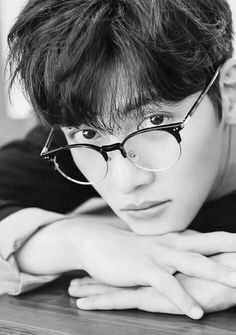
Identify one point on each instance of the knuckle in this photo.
(169, 284)
(163, 257)
(195, 261)
(226, 239)
(198, 258)
(155, 251)
(172, 240)
(192, 257)
(151, 249)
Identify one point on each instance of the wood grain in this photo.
(49, 310)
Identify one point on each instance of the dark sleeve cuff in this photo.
(7, 208)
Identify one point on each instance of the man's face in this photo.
(161, 202)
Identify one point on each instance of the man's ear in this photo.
(227, 84)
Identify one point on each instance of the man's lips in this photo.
(143, 206)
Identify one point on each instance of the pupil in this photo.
(88, 134)
(157, 119)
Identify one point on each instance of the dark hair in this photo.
(74, 56)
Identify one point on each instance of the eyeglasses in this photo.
(156, 148)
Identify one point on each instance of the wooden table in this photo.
(49, 310)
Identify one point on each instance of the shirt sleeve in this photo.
(12, 236)
(29, 184)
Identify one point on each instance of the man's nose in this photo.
(125, 175)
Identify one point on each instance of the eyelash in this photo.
(164, 115)
(73, 132)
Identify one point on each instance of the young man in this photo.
(144, 92)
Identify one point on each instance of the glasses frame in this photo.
(173, 129)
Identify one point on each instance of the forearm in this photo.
(51, 250)
(60, 246)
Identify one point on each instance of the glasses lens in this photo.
(82, 165)
(153, 150)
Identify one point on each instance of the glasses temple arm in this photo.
(202, 95)
(48, 143)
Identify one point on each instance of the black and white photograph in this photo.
(117, 167)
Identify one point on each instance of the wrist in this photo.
(52, 249)
(73, 233)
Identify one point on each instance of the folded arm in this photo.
(32, 194)
(119, 257)
(15, 231)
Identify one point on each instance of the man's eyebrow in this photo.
(131, 106)
(140, 104)
(78, 126)
(71, 129)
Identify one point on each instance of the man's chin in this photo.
(148, 228)
(159, 226)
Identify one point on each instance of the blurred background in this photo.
(16, 117)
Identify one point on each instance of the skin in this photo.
(114, 253)
(95, 295)
(198, 172)
(136, 185)
(205, 146)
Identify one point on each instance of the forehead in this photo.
(123, 99)
(119, 99)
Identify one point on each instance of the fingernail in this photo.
(81, 303)
(196, 312)
(70, 289)
(73, 283)
(232, 277)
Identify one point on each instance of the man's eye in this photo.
(157, 120)
(84, 135)
(154, 120)
(89, 134)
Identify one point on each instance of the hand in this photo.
(210, 295)
(121, 258)
(95, 295)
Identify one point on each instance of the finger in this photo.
(206, 243)
(167, 285)
(196, 265)
(118, 299)
(79, 291)
(82, 281)
(151, 300)
(145, 298)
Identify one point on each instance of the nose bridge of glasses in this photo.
(113, 147)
